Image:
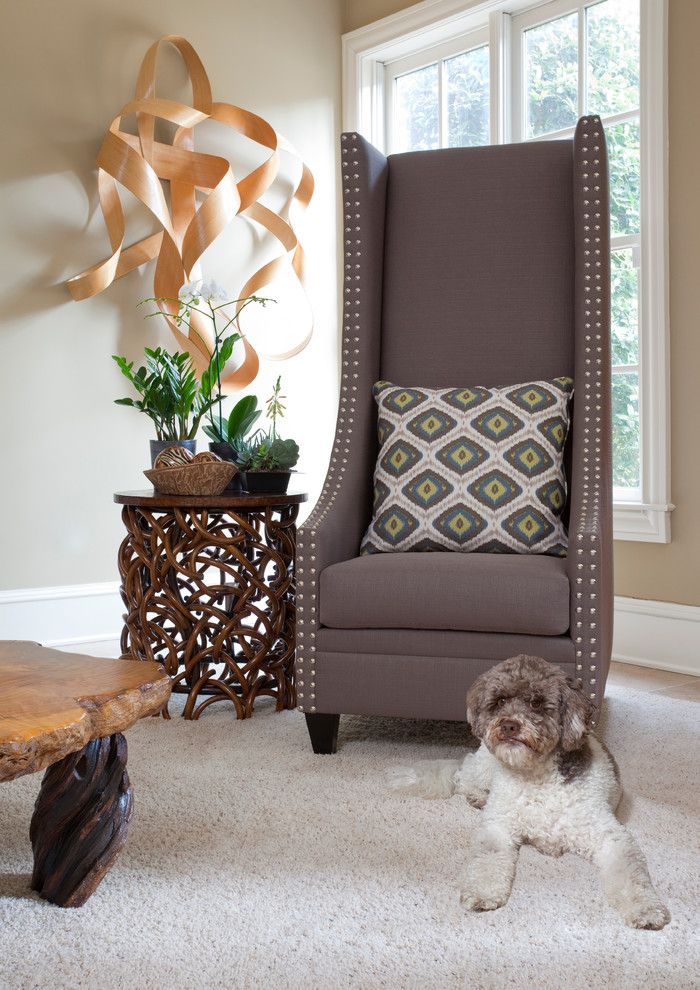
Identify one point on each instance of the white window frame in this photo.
(438, 24)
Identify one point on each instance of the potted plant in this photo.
(171, 395)
(266, 460)
(227, 434)
(170, 392)
(266, 463)
(209, 300)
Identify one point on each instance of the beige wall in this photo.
(65, 70)
(666, 572)
(672, 572)
(359, 12)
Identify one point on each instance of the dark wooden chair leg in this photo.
(323, 732)
(80, 821)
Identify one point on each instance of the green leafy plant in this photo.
(170, 393)
(237, 426)
(210, 300)
(267, 453)
(275, 407)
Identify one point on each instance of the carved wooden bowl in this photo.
(198, 478)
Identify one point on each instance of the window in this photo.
(444, 103)
(585, 59)
(524, 71)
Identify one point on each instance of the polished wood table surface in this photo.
(208, 587)
(228, 500)
(67, 712)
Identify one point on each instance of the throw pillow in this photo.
(471, 469)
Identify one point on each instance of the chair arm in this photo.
(335, 528)
(591, 581)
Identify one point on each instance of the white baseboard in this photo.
(65, 616)
(652, 634)
(657, 634)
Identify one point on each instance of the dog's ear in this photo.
(577, 713)
(475, 700)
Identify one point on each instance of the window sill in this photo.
(641, 522)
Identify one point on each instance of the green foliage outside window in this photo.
(467, 82)
(418, 112)
(611, 65)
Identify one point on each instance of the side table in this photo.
(67, 712)
(208, 586)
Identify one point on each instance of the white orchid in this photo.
(208, 291)
(212, 292)
(189, 291)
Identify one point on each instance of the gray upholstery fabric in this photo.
(482, 265)
(444, 643)
(478, 276)
(501, 593)
(411, 687)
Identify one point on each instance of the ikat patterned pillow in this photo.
(471, 469)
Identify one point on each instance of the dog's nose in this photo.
(509, 728)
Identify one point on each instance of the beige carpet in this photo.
(252, 863)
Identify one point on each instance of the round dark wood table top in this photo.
(227, 500)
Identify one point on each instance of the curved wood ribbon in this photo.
(141, 164)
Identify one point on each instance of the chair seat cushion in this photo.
(505, 593)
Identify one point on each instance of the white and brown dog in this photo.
(541, 779)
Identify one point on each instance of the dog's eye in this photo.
(499, 702)
(537, 703)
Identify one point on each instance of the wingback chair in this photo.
(464, 266)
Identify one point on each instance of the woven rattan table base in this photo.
(209, 593)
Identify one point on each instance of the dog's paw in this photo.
(429, 779)
(482, 901)
(402, 780)
(466, 784)
(652, 916)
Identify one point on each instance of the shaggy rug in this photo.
(253, 863)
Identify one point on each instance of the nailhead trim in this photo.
(592, 386)
(306, 601)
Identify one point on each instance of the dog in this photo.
(541, 779)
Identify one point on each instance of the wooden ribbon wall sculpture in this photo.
(139, 163)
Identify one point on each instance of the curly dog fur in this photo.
(541, 779)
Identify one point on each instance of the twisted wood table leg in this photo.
(80, 821)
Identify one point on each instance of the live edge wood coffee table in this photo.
(208, 586)
(67, 712)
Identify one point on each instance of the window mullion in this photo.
(582, 94)
(609, 120)
(566, 132)
(443, 129)
(620, 241)
(500, 69)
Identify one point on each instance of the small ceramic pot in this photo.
(266, 482)
(227, 452)
(158, 445)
